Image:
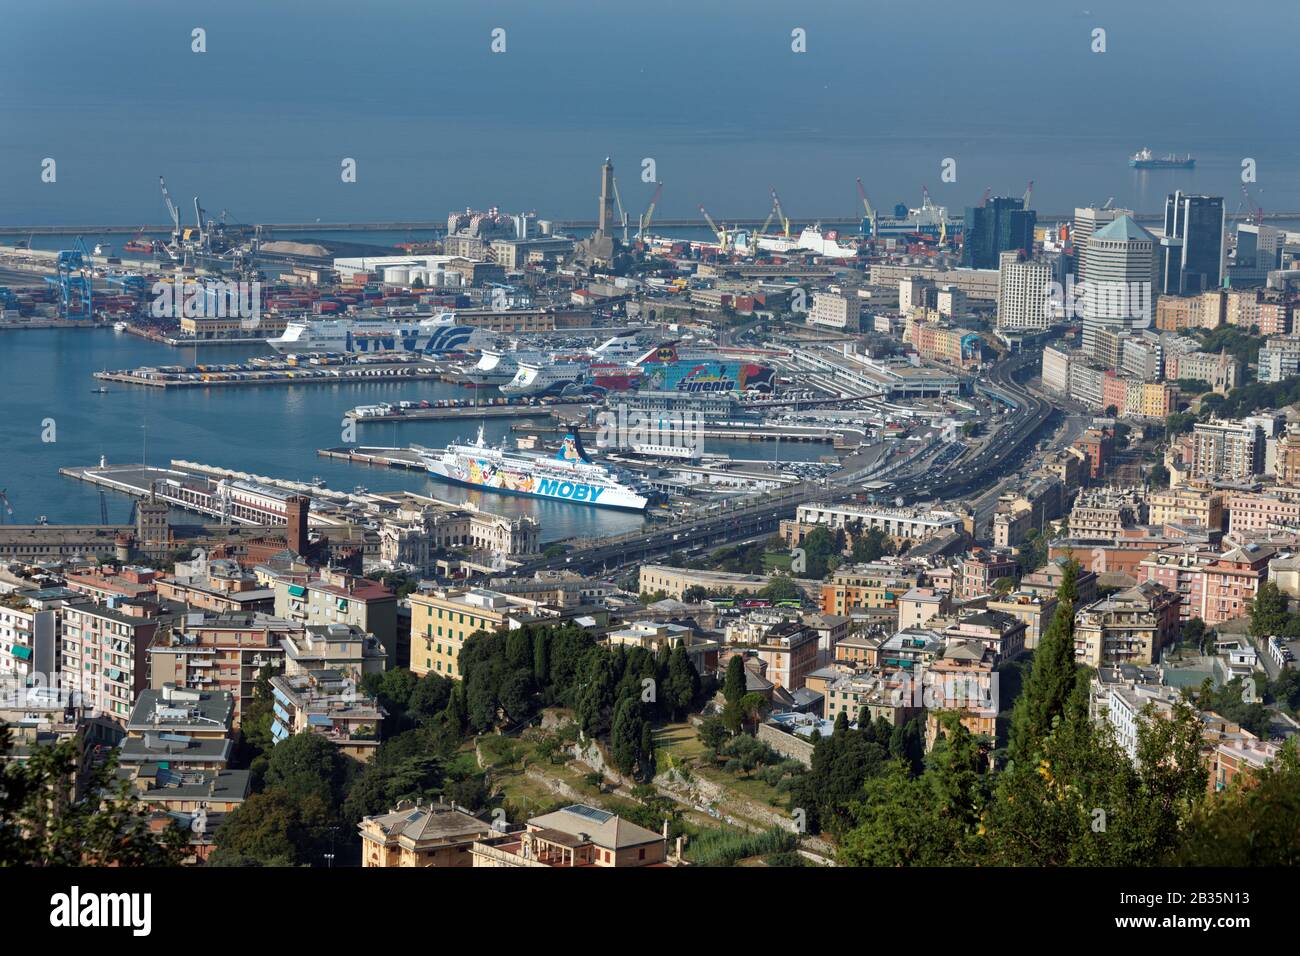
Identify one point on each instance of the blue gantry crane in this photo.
(74, 278)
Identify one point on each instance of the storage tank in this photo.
(397, 275)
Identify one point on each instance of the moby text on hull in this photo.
(569, 476)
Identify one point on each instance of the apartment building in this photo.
(1259, 511)
(1120, 696)
(1129, 627)
(865, 586)
(1003, 634)
(1232, 581)
(1186, 506)
(1031, 608)
(104, 655)
(444, 618)
(978, 571)
(920, 604)
(329, 704)
(180, 729)
(1181, 569)
(1225, 451)
(962, 680)
(219, 652)
(336, 597)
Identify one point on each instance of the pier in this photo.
(464, 409)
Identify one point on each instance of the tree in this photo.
(46, 820)
(307, 765)
(275, 828)
(626, 736)
(781, 588)
(713, 733)
(1052, 681)
(682, 684)
(733, 687)
(1268, 613)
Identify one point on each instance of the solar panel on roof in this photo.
(591, 813)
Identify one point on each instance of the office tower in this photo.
(1088, 220)
(1192, 250)
(1000, 225)
(1024, 286)
(1118, 294)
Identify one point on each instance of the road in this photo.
(762, 515)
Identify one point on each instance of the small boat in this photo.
(120, 326)
(99, 391)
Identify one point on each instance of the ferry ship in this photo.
(545, 377)
(429, 334)
(569, 475)
(812, 239)
(1145, 159)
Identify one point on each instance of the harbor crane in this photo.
(74, 276)
(984, 200)
(866, 205)
(720, 233)
(1255, 211)
(172, 211)
(643, 222)
(776, 207)
(1029, 192)
(622, 214)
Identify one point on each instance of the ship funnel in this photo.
(571, 448)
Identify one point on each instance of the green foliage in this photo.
(275, 828)
(46, 820)
(1256, 823)
(871, 545)
(1054, 680)
(733, 687)
(725, 846)
(1268, 611)
(781, 588)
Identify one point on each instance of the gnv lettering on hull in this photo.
(568, 489)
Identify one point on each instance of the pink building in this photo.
(1232, 581)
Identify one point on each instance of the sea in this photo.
(53, 419)
(256, 111)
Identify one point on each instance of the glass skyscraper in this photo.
(1191, 252)
(1000, 225)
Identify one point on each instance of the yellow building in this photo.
(441, 620)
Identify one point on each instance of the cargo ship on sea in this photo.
(429, 334)
(569, 475)
(1145, 159)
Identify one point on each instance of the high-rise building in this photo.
(1225, 451)
(1121, 267)
(1088, 220)
(1000, 225)
(1024, 286)
(1192, 249)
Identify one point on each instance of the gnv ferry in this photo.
(428, 334)
(569, 475)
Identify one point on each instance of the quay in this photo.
(463, 408)
(205, 376)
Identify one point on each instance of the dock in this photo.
(464, 409)
(269, 374)
(375, 455)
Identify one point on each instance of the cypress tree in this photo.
(1053, 679)
(733, 688)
